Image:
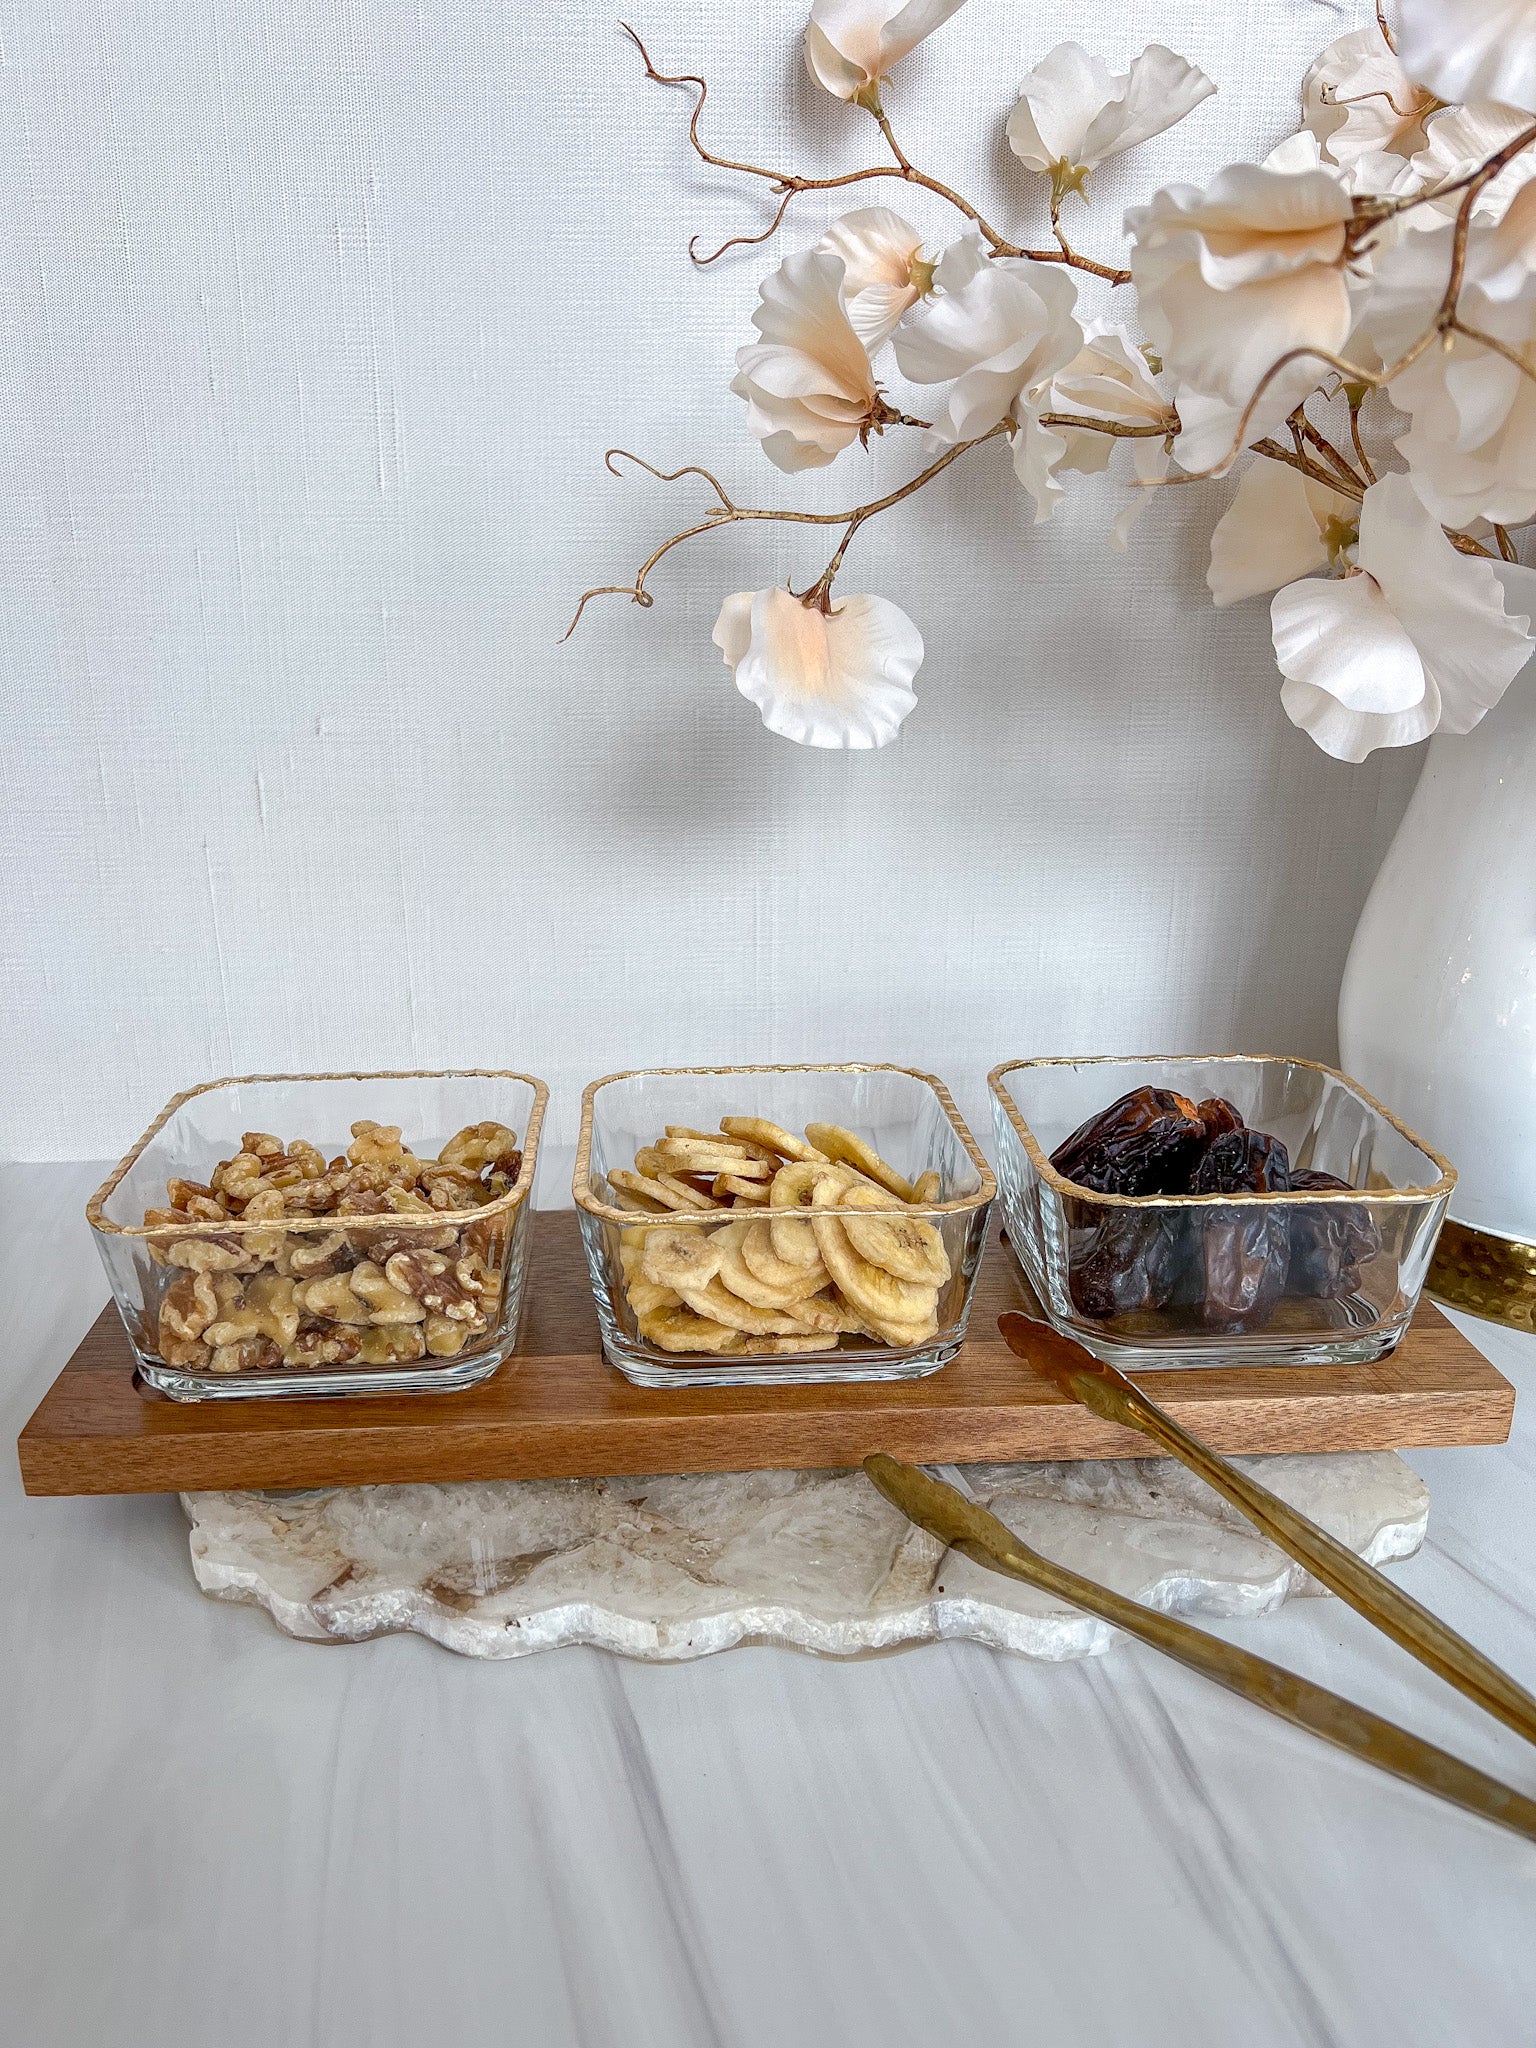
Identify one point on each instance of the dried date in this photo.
(1144, 1144)
(1330, 1243)
(1129, 1263)
(1244, 1252)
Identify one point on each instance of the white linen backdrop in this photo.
(318, 316)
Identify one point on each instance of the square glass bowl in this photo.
(1265, 1279)
(266, 1305)
(907, 1118)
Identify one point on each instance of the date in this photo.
(1328, 1244)
(1147, 1143)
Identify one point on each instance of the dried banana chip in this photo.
(849, 1149)
(652, 1191)
(739, 1277)
(906, 1246)
(727, 1186)
(794, 1241)
(680, 1258)
(756, 1130)
(869, 1288)
(679, 1329)
(926, 1187)
(716, 1302)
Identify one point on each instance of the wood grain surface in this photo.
(558, 1410)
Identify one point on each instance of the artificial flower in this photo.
(808, 385)
(883, 269)
(1416, 639)
(1460, 141)
(836, 679)
(1232, 278)
(1471, 448)
(1358, 100)
(1108, 379)
(1073, 112)
(1279, 526)
(850, 45)
(1000, 327)
(1471, 49)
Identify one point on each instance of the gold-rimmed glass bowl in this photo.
(1332, 1277)
(907, 1117)
(468, 1265)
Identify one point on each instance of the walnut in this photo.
(211, 1255)
(481, 1145)
(445, 1339)
(237, 1179)
(387, 1303)
(185, 1352)
(315, 1346)
(247, 1354)
(262, 1145)
(268, 1310)
(332, 1298)
(180, 1192)
(374, 1144)
(427, 1277)
(393, 1344)
(317, 1258)
(309, 1159)
(187, 1307)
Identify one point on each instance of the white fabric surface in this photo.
(318, 318)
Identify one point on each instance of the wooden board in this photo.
(558, 1410)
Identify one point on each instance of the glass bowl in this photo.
(906, 1118)
(417, 1286)
(1296, 1278)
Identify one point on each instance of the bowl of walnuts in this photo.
(779, 1224)
(325, 1234)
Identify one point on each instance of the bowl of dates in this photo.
(1174, 1210)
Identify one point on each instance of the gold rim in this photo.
(160, 1233)
(581, 1176)
(1071, 1188)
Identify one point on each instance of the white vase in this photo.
(1437, 1012)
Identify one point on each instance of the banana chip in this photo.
(906, 1246)
(849, 1149)
(778, 1274)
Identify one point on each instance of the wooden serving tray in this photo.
(558, 1410)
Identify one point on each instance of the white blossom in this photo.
(998, 327)
(1108, 379)
(1073, 112)
(1358, 100)
(842, 679)
(1232, 278)
(1461, 140)
(1471, 49)
(850, 45)
(884, 271)
(1471, 448)
(1416, 639)
(808, 384)
(1280, 525)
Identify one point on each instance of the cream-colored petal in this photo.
(1158, 92)
(1452, 605)
(843, 681)
(1343, 637)
(1357, 100)
(1471, 49)
(733, 628)
(1460, 139)
(1351, 735)
(808, 383)
(1269, 534)
(1003, 331)
(1223, 342)
(1057, 105)
(852, 44)
(1036, 452)
(877, 249)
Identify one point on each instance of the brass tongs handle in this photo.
(968, 1528)
(1100, 1387)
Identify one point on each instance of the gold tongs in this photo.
(967, 1527)
(1076, 1373)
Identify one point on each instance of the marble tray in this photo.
(673, 1568)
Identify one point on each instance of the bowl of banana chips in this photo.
(779, 1224)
